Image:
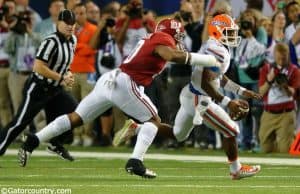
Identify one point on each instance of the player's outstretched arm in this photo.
(183, 57)
(234, 106)
(231, 86)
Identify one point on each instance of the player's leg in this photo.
(131, 99)
(145, 138)
(187, 111)
(216, 118)
(183, 124)
(88, 109)
(59, 105)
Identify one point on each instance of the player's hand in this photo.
(251, 95)
(238, 109)
(234, 106)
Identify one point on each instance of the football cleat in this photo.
(30, 143)
(124, 134)
(60, 151)
(23, 156)
(245, 171)
(135, 166)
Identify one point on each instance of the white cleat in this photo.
(245, 171)
(124, 134)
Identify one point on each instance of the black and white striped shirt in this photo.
(58, 53)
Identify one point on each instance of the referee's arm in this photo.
(41, 68)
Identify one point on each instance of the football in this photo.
(242, 111)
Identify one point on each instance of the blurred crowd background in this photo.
(108, 30)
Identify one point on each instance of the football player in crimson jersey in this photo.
(123, 88)
(201, 101)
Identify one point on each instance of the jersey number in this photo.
(135, 51)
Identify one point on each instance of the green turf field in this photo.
(104, 175)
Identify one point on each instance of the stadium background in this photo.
(160, 7)
(164, 7)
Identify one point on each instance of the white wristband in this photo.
(225, 101)
(241, 91)
(231, 86)
(203, 60)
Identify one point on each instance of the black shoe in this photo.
(31, 142)
(135, 166)
(23, 156)
(61, 151)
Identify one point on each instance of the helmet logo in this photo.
(175, 25)
(218, 23)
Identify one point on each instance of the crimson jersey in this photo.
(141, 65)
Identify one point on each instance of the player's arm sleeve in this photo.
(46, 50)
(219, 55)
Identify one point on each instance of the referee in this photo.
(44, 87)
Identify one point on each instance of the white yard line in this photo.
(125, 176)
(158, 186)
(101, 155)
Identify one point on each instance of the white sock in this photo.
(55, 128)
(235, 166)
(145, 137)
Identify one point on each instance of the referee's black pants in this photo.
(38, 95)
